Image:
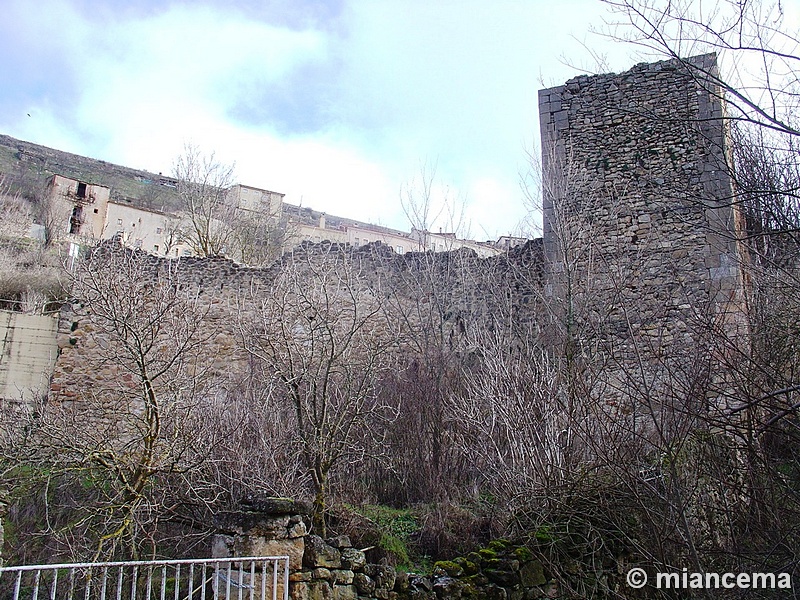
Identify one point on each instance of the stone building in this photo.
(150, 230)
(246, 197)
(83, 207)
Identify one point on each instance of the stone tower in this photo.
(643, 264)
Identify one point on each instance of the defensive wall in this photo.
(454, 291)
(639, 263)
(640, 224)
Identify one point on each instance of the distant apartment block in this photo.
(153, 231)
(245, 197)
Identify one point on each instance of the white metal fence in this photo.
(241, 578)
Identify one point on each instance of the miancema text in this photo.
(686, 580)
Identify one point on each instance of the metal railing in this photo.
(240, 578)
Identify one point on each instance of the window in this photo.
(158, 230)
(81, 190)
(75, 220)
(399, 249)
(95, 211)
(119, 221)
(357, 242)
(155, 247)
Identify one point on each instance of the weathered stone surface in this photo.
(315, 590)
(343, 577)
(532, 574)
(495, 592)
(223, 546)
(384, 575)
(340, 541)
(320, 554)
(344, 592)
(421, 583)
(243, 522)
(353, 559)
(502, 577)
(364, 584)
(321, 573)
(275, 506)
(297, 530)
(447, 588)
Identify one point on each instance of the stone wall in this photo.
(639, 247)
(459, 288)
(333, 569)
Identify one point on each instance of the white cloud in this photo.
(393, 83)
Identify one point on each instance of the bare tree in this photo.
(757, 43)
(203, 183)
(258, 238)
(132, 417)
(325, 342)
(427, 204)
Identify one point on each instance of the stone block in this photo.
(321, 573)
(364, 584)
(222, 545)
(230, 546)
(344, 592)
(343, 577)
(340, 541)
(275, 506)
(297, 530)
(252, 523)
(532, 574)
(447, 588)
(353, 559)
(384, 575)
(320, 554)
(315, 590)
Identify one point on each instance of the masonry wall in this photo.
(639, 224)
(458, 288)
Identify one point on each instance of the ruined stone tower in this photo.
(639, 228)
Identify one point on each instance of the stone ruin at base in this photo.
(333, 569)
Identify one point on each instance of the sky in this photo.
(339, 104)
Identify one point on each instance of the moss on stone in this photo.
(499, 545)
(447, 567)
(523, 554)
(487, 554)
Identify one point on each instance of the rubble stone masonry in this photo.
(639, 218)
